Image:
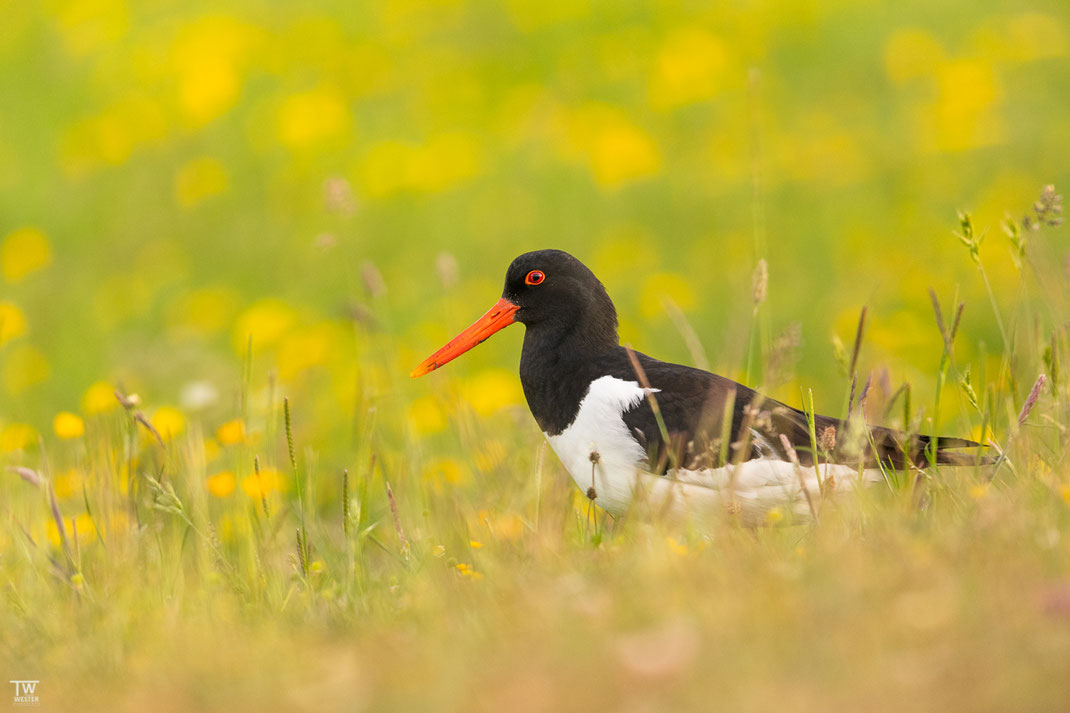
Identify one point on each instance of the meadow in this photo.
(229, 232)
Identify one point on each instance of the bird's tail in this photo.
(896, 449)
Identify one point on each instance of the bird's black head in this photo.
(555, 296)
(554, 290)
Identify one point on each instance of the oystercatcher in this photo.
(628, 426)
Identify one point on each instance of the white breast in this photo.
(598, 433)
(599, 452)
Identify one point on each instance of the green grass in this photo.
(252, 223)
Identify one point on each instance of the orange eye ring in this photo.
(535, 277)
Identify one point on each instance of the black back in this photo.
(571, 340)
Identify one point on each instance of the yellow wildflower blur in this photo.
(111, 136)
(265, 321)
(68, 425)
(83, 524)
(169, 422)
(22, 252)
(692, 66)
(207, 58)
(231, 432)
(445, 470)
(259, 486)
(308, 347)
(969, 92)
(87, 27)
(444, 161)
(676, 547)
(17, 437)
(222, 484)
(312, 117)
(615, 150)
(99, 398)
(12, 322)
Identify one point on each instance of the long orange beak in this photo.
(498, 317)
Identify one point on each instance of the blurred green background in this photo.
(217, 205)
(345, 183)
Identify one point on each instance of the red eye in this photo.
(534, 277)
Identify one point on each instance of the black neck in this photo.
(557, 365)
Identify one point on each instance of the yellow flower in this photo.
(445, 470)
(690, 68)
(475, 544)
(12, 322)
(169, 421)
(266, 321)
(221, 484)
(979, 491)
(231, 432)
(81, 526)
(616, 151)
(211, 449)
(207, 57)
(86, 27)
(1064, 491)
(306, 348)
(676, 547)
(17, 437)
(22, 252)
(199, 180)
(623, 154)
(311, 117)
(68, 425)
(774, 516)
(467, 571)
(99, 398)
(965, 113)
(259, 486)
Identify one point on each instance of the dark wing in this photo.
(695, 406)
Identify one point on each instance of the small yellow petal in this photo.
(169, 421)
(221, 484)
(231, 432)
(22, 252)
(99, 398)
(68, 425)
(12, 322)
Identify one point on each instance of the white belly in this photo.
(606, 461)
